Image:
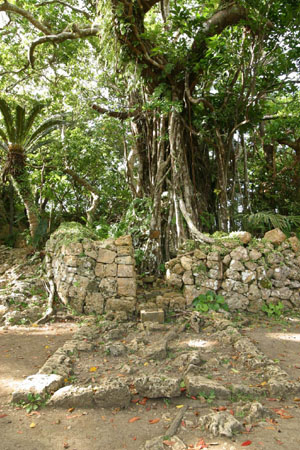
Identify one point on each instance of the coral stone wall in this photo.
(246, 274)
(92, 275)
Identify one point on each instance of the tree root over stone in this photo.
(49, 312)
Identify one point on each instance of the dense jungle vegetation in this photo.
(168, 119)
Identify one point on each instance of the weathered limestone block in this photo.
(251, 265)
(243, 236)
(71, 260)
(274, 258)
(73, 397)
(126, 271)
(254, 255)
(73, 248)
(124, 260)
(126, 287)
(213, 265)
(112, 394)
(124, 241)
(38, 384)
(227, 260)
(221, 424)
(283, 293)
(94, 302)
(213, 256)
(254, 292)
(89, 249)
(121, 304)
(261, 273)
(211, 284)
(162, 302)
(240, 254)
(106, 256)
(125, 250)
(178, 269)
(215, 274)
(177, 302)
(281, 273)
(188, 278)
(233, 274)
(186, 263)
(198, 254)
(108, 286)
(173, 279)
(78, 287)
(275, 236)
(158, 386)
(197, 383)
(295, 243)
(236, 265)
(105, 270)
(248, 276)
(237, 301)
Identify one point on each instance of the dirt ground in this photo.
(24, 350)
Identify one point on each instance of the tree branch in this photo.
(80, 11)
(61, 37)
(118, 115)
(9, 7)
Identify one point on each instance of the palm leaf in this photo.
(8, 120)
(36, 146)
(20, 123)
(44, 129)
(269, 219)
(31, 118)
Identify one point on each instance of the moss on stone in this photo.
(266, 283)
(69, 232)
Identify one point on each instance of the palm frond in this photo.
(8, 120)
(268, 220)
(20, 123)
(44, 129)
(31, 118)
(37, 145)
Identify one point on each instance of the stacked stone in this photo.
(94, 276)
(246, 275)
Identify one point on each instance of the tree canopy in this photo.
(186, 110)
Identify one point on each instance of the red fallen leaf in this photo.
(3, 415)
(246, 443)
(183, 389)
(66, 445)
(169, 443)
(282, 413)
(134, 419)
(194, 398)
(144, 401)
(135, 400)
(183, 423)
(134, 438)
(74, 416)
(220, 408)
(154, 421)
(231, 412)
(201, 444)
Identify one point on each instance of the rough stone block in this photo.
(196, 384)
(153, 316)
(126, 271)
(73, 397)
(112, 394)
(125, 250)
(125, 260)
(106, 256)
(157, 387)
(126, 287)
(275, 236)
(94, 302)
(120, 304)
(38, 384)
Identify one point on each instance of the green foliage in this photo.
(209, 398)
(272, 309)
(266, 220)
(34, 402)
(209, 302)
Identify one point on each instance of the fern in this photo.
(267, 220)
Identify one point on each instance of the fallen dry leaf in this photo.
(3, 415)
(71, 410)
(169, 443)
(246, 443)
(32, 425)
(93, 369)
(154, 421)
(134, 419)
(144, 401)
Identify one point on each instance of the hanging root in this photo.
(49, 311)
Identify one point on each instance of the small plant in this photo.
(209, 301)
(209, 398)
(34, 402)
(272, 309)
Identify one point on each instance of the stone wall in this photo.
(246, 271)
(92, 276)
